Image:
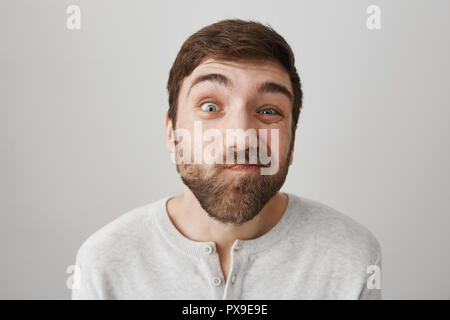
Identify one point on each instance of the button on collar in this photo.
(208, 249)
(216, 281)
(236, 248)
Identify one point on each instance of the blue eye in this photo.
(269, 111)
(209, 107)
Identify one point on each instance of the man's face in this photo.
(223, 96)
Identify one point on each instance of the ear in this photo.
(293, 147)
(170, 144)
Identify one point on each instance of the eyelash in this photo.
(199, 105)
(278, 113)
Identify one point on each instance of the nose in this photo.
(240, 131)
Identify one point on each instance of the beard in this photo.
(239, 197)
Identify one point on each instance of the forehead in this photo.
(249, 71)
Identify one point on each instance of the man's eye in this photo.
(209, 107)
(269, 111)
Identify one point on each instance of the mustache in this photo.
(245, 155)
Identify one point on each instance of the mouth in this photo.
(250, 168)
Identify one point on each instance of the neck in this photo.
(194, 223)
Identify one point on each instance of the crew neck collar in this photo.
(250, 246)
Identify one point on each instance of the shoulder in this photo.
(334, 232)
(120, 237)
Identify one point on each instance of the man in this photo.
(231, 234)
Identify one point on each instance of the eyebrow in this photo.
(211, 77)
(273, 87)
(267, 86)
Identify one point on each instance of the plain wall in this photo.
(82, 126)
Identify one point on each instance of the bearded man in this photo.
(232, 234)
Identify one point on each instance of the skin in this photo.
(241, 106)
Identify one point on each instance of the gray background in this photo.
(82, 126)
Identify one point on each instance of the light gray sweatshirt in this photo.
(313, 252)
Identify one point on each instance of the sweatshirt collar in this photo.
(251, 246)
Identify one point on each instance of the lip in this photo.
(244, 167)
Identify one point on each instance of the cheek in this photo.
(184, 120)
(185, 116)
(278, 139)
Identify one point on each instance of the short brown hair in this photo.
(233, 39)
